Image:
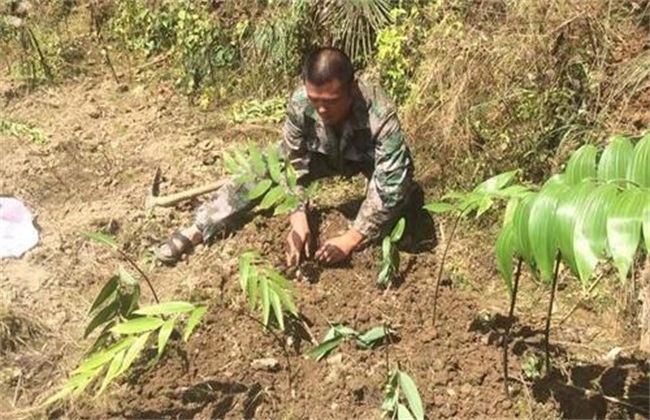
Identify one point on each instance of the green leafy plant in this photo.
(266, 289)
(22, 130)
(390, 255)
(270, 179)
(256, 111)
(127, 329)
(338, 333)
(399, 387)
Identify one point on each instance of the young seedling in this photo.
(266, 289)
(390, 260)
(338, 333)
(400, 384)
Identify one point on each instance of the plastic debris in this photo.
(17, 231)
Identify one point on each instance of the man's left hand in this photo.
(339, 248)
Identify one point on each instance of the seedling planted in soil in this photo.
(390, 258)
(400, 384)
(339, 333)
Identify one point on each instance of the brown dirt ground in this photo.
(104, 145)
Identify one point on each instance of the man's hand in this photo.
(299, 239)
(339, 248)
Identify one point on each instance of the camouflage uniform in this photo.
(370, 142)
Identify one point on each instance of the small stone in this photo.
(269, 364)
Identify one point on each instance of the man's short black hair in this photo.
(328, 63)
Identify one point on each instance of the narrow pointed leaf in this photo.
(398, 230)
(590, 230)
(229, 163)
(624, 229)
(252, 290)
(403, 413)
(193, 320)
(112, 371)
(257, 160)
(260, 189)
(102, 357)
(126, 277)
(616, 159)
(275, 167)
(133, 352)
(266, 301)
(291, 176)
(639, 170)
(324, 348)
(483, 205)
(106, 314)
(101, 238)
(272, 197)
(496, 182)
(412, 395)
(512, 191)
(165, 308)
(138, 325)
(109, 289)
(505, 250)
(290, 203)
(164, 334)
(371, 337)
(277, 309)
(582, 164)
(439, 207)
(244, 270)
(243, 162)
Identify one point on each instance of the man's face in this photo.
(331, 100)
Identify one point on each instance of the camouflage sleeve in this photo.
(294, 144)
(390, 182)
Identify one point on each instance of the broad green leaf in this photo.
(412, 395)
(112, 371)
(100, 358)
(483, 205)
(590, 230)
(392, 393)
(229, 163)
(164, 334)
(138, 325)
(542, 228)
(275, 167)
(256, 159)
(645, 221)
(242, 160)
(495, 183)
(345, 331)
(106, 314)
(398, 230)
(639, 170)
(386, 248)
(266, 300)
(582, 164)
(520, 218)
(272, 197)
(371, 337)
(324, 348)
(193, 320)
(133, 352)
(439, 207)
(469, 203)
(165, 308)
(277, 309)
(126, 277)
(624, 228)
(109, 289)
(101, 238)
(616, 158)
(505, 249)
(512, 191)
(566, 214)
(260, 189)
(403, 413)
(384, 276)
(291, 176)
(289, 204)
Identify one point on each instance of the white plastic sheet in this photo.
(17, 231)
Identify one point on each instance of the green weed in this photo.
(390, 260)
(338, 333)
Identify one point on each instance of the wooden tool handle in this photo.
(170, 200)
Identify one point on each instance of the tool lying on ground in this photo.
(153, 200)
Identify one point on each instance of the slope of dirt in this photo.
(93, 174)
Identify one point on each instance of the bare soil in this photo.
(93, 174)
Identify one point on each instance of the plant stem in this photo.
(442, 265)
(142, 273)
(547, 329)
(506, 336)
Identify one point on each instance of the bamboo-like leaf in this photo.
(542, 228)
(483, 205)
(253, 286)
(582, 164)
(505, 249)
(165, 308)
(639, 170)
(272, 197)
(324, 348)
(193, 320)
(277, 309)
(126, 277)
(101, 238)
(590, 230)
(275, 167)
(409, 389)
(112, 371)
(495, 183)
(138, 325)
(398, 230)
(624, 228)
(257, 160)
(106, 314)
(164, 334)
(244, 270)
(133, 352)
(371, 337)
(645, 223)
(403, 413)
(109, 289)
(100, 358)
(260, 189)
(616, 158)
(566, 214)
(266, 300)
(283, 293)
(439, 207)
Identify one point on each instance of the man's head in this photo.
(329, 81)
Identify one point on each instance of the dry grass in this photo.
(17, 329)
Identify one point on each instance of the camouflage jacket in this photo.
(371, 138)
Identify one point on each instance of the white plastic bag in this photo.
(17, 231)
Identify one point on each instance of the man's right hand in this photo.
(299, 239)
